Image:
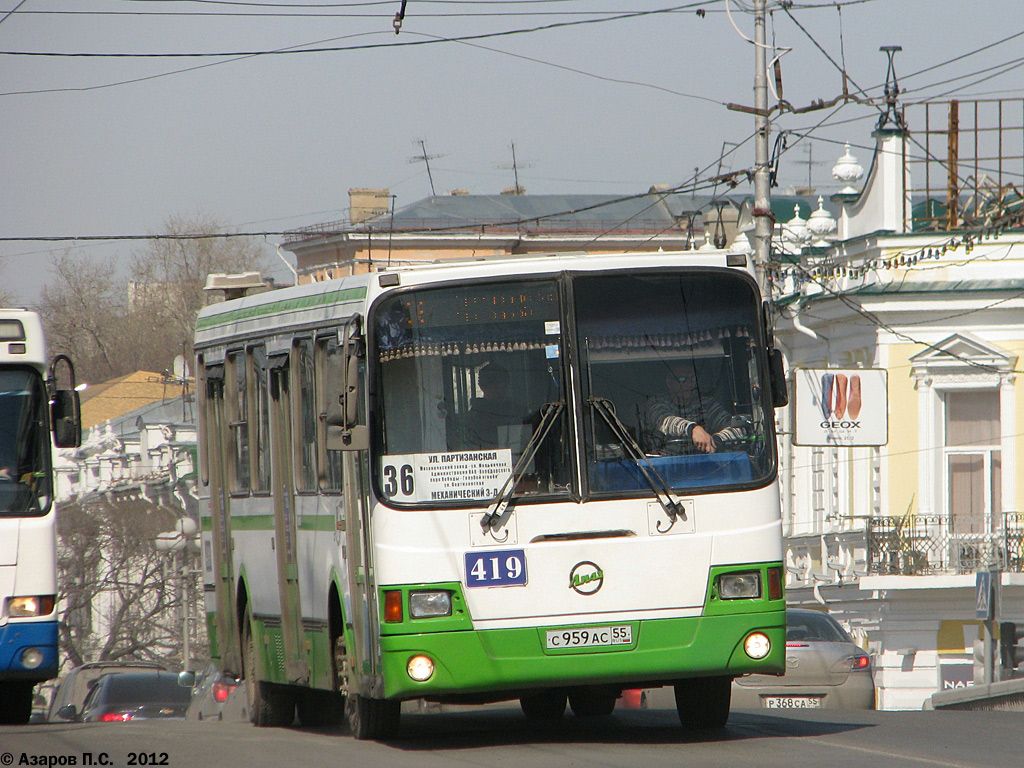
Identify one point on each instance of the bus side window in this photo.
(237, 400)
(305, 440)
(211, 413)
(330, 368)
(260, 405)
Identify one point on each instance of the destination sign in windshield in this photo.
(455, 477)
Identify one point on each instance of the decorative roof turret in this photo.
(847, 171)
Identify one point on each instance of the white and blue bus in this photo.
(458, 483)
(35, 415)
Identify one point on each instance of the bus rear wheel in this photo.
(372, 718)
(269, 706)
(544, 705)
(703, 702)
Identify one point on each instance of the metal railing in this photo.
(919, 545)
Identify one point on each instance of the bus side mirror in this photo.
(65, 407)
(340, 438)
(777, 373)
(344, 432)
(66, 416)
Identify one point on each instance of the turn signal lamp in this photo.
(393, 605)
(774, 583)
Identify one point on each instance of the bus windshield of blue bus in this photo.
(472, 393)
(24, 445)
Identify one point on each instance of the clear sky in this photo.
(596, 98)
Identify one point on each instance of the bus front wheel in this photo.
(593, 701)
(544, 705)
(703, 702)
(372, 718)
(15, 703)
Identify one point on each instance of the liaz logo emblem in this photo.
(586, 578)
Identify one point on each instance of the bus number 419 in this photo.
(496, 568)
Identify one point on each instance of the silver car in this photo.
(825, 669)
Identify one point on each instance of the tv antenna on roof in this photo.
(518, 190)
(424, 158)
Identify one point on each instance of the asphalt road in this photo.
(500, 736)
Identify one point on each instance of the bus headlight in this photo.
(34, 605)
(420, 668)
(426, 604)
(757, 645)
(31, 658)
(737, 586)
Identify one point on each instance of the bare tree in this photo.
(7, 298)
(82, 311)
(112, 326)
(122, 599)
(168, 276)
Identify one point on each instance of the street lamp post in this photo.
(176, 542)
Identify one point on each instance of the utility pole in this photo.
(763, 220)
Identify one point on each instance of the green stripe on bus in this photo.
(285, 305)
(325, 522)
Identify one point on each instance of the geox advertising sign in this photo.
(841, 406)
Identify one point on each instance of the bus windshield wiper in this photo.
(548, 413)
(669, 501)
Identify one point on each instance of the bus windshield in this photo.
(24, 445)
(672, 375)
(466, 374)
(667, 367)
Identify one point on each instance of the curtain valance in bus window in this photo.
(466, 348)
(711, 338)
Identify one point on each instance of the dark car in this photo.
(825, 669)
(76, 683)
(124, 696)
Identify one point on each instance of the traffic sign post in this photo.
(986, 587)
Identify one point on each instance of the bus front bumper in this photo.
(514, 660)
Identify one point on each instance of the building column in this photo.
(1008, 441)
(926, 437)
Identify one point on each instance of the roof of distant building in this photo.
(116, 397)
(655, 211)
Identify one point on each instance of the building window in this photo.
(966, 415)
(972, 460)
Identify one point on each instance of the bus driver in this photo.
(685, 422)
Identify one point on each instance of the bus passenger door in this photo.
(285, 525)
(346, 450)
(219, 558)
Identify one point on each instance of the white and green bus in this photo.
(445, 482)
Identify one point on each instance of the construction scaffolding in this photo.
(966, 160)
